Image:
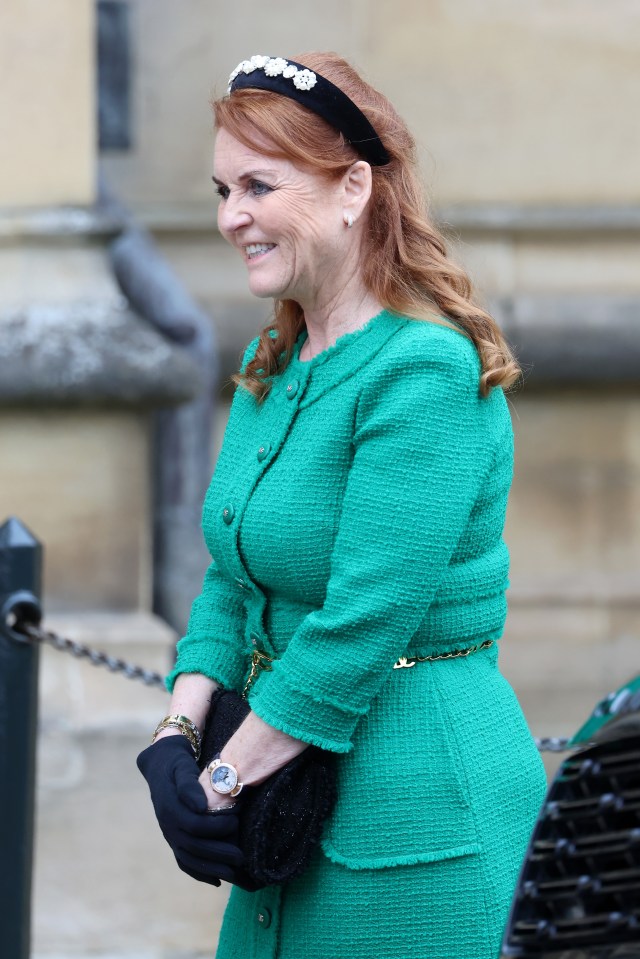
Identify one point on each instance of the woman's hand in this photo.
(205, 846)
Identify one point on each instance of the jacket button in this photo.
(228, 512)
(241, 583)
(264, 918)
(264, 451)
(255, 639)
(292, 389)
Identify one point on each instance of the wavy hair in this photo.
(404, 263)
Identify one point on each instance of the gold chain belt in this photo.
(260, 660)
(406, 661)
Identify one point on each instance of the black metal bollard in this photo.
(20, 579)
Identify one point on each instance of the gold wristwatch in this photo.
(224, 777)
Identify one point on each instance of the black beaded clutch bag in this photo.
(281, 819)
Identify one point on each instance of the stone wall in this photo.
(47, 103)
(510, 102)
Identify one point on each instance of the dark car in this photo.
(578, 896)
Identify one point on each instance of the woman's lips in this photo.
(255, 250)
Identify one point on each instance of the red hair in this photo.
(405, 263)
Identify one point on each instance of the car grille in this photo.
(579, 889)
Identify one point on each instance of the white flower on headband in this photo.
(304, 80)
(274, 67)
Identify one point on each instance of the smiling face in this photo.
(287, 223)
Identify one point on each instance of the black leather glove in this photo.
(204, 844)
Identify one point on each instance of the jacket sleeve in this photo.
(422, 443)
(212, 643)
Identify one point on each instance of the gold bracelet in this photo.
(186, 727)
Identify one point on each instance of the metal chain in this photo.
(147, 676)
(553, 744)
(546, 744)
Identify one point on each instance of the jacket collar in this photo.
(344, 358)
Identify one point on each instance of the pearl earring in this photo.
(348, 220)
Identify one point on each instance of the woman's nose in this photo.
(233, 214)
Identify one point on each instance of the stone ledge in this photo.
(573, 339)
(65, 221)
(114, 629)
(79, 698)
(91, 354)
(513, 219)
(53, 223)
(587, 589)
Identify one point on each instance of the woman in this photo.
(355, 524)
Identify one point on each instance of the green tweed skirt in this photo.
(438, 799)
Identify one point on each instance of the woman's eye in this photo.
(223, 192)
(258, 188)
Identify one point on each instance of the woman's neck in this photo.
(326, 325)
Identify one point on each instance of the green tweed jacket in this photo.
(355, 516)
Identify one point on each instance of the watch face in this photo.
(224, 778)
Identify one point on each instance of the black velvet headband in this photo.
(314, 92)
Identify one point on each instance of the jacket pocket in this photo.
(402, 794)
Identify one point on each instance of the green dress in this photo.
(354, 517)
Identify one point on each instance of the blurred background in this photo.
(123, 314)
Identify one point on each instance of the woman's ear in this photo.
(356, 185)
